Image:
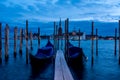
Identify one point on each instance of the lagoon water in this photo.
(105, 64)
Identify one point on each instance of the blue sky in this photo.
(52, 10)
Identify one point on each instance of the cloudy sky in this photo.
(51, 10)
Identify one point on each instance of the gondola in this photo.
(75, 56)
(43, 56)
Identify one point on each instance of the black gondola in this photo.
(75, 55)
(43, 57)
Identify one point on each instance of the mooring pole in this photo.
(26, 41)
(60, 34)
(57, 37)
(66, 40)
(6, 41)
(79, 38)
(62, 42)
(92, 47)
(54, 38)
(15, 41)
(96, 42)
(115, 41)
(58, 41)
(21, 41)
(38, 37)
(31, 40)
(0, 42)
(67, 30)
(119, 42)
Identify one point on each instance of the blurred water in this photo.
(105, 64)
(17, 69)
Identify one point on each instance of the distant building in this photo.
(89, 37)
(75, 35)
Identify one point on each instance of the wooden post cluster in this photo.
(15, 41)
(38, 37)
(6, 41)
(92, 47)
(96, 42)
(115, 41)
(21, 41)
(0, 42)
(79, 38)
(26, 41)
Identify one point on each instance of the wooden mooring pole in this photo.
(92, 47)
(115, 41)
(54, 37)
(31, 40)
(119, 42)
(38, 37)
(67, 36)
(66, 56)
(0, 42)
(21, 41)
(58, 46)
(96, 42)
(6, 41)
(26, 41)
(60, 34)
(79, 38)
(15, 41)
(57, 37)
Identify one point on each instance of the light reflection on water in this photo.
(105, 64)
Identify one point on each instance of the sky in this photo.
(52, 10)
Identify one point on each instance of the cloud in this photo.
(47, 10)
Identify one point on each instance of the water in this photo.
(105, 64)
(17, 69)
